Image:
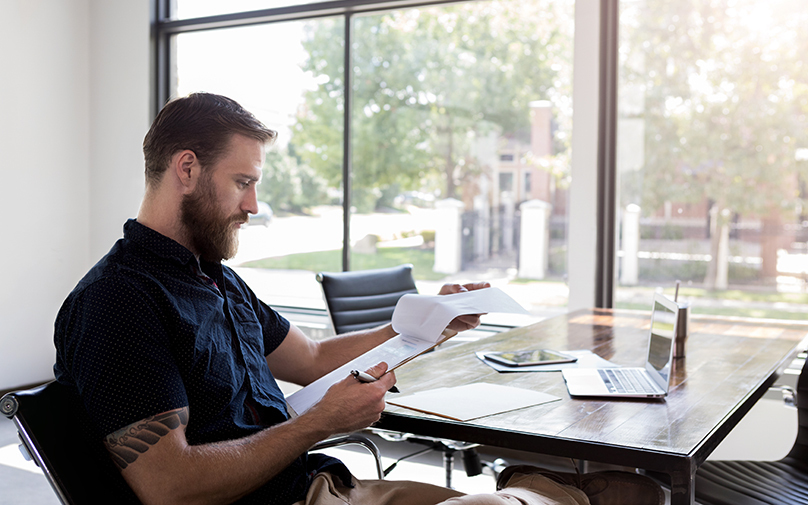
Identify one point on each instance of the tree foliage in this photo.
(725, 101)
(289, 185)
(428, 83)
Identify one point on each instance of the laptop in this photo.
(652, 381)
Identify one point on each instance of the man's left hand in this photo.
(466, 321)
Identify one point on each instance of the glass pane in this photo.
(268, 69)
(189, 9)
(712, 143)
(461, 128)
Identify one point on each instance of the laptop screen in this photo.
(659, 350)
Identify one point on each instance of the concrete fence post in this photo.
(629, 273)
(448, 230)
(534, 239)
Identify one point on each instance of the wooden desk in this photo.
(729, 365)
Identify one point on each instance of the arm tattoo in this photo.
(126, 444)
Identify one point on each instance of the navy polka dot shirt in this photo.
(149, 329)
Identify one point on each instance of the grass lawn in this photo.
(753, 312)
(747, 296)
(331, 261)
(424, 259)
(765, 303)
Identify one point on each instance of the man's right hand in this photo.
(350, 405)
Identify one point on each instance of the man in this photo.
(175, 358)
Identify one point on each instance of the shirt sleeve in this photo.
(117, 351)
(274, 326)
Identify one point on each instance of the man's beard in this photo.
(211, 234)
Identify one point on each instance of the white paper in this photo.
(471, 401)
(586, 359)
(419, 320)
(427, 315)
(393, 352)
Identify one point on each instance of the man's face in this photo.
(223, 199)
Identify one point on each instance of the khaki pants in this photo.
(521, 490)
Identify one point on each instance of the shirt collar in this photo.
(157, 243)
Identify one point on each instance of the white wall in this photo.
(74, 90)
(119, 116)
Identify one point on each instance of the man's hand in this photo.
(466, 321)
(350, 405)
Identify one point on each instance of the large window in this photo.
(454, 152)
(446, 103)
(712, 138)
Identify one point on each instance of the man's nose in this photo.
(250, 203)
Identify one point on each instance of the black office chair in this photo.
(365, 299)
(783, 482)
(49, 421)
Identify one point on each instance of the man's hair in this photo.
(203, 123)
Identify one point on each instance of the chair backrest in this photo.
(800, 449)
(365, 298)
(53, 425)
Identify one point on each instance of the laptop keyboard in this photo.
(619, 380)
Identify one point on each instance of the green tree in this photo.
(428, 84)
(725, 104)
(289, 185)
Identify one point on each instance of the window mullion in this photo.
(346, 145)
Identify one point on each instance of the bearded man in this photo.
(175, 359)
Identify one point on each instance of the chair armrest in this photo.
(357, 439)
(789, 394)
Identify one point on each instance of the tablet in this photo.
(530, 357)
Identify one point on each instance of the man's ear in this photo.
(186, 168)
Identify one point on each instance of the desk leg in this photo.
(683, 488)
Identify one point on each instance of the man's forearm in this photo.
(336, 351)
(301, 360)
(171, 471)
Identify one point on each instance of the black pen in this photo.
(364, 377)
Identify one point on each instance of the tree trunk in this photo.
(709, 278)
(451, 189)
(772, 224)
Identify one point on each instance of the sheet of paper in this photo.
(471, 401)
(427, 315)
(586, 359)
(393, 352)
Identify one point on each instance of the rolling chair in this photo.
(49, 421)
(365, 299)
(782, 482)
